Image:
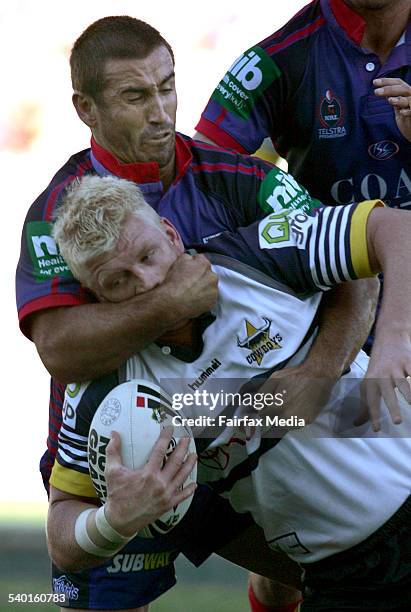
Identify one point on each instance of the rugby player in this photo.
(123, 81)
(337, 504)
(332, 89)
(343, 123)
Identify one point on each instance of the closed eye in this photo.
(118, 282)
(148, 256)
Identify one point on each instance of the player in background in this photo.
(339, 505)
(123, 81)
(332, 89)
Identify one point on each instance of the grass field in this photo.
(24, 568)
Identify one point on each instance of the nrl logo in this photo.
(258, 341)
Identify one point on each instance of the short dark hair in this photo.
(119, 37)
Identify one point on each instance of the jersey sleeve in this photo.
(314, 251)
(70, 471)
(43, 279)
(252, 100)
(305, 250)
(248, 186)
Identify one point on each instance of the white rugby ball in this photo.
(138, 410)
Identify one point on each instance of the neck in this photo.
(181, 335)
(384, 26)
(168, 172)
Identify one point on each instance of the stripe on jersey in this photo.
(358, 237)
(338, 249)
(72, 481)
(81, 169)
(224, 167)
(67, 458)
(296, 36)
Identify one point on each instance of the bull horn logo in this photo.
(254, 334)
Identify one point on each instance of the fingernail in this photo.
(377, 81)
(378, 91)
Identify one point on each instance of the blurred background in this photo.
(39, 130)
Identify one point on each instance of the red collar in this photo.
(142, 172)
(348, 20)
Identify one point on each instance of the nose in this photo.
(156, 109)
(147, 278)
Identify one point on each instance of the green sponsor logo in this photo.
(245, 81)
(280, 191)
(72, 389)
(285, 228)
(276, 229)
(44, 253)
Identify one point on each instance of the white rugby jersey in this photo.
(318, 490)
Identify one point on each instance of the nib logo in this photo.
(246, 71)
(245, 81)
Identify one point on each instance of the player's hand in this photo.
(398, 94)
(136, 498)
(191, 287)
(388, 369)
(304, 394)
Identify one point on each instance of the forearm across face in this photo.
(85, 342)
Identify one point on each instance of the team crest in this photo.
(331, 115)
(258, 341)
(385, 149)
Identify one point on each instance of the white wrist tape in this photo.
(86, 543)
(107, 531)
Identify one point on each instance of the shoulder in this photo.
(44, 206)
(81, 401)
(213, 165)
(298, 33)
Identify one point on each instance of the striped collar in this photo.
(141, 172)
(348, 20)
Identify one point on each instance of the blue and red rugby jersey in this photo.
(309, 87)
(214, 190)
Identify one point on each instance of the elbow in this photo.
(52, 356)
(61, 562)
(45, 329)
(49, 354)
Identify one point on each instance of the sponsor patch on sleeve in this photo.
(44, 252)
(245, 81)
(280, 191)
(289, 228)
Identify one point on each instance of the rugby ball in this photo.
(138, 410)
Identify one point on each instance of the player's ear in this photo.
(172, 234)
(86, 108)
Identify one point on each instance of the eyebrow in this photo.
(142, 89)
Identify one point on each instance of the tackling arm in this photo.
(87, 341)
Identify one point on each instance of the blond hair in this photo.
(91, 217)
